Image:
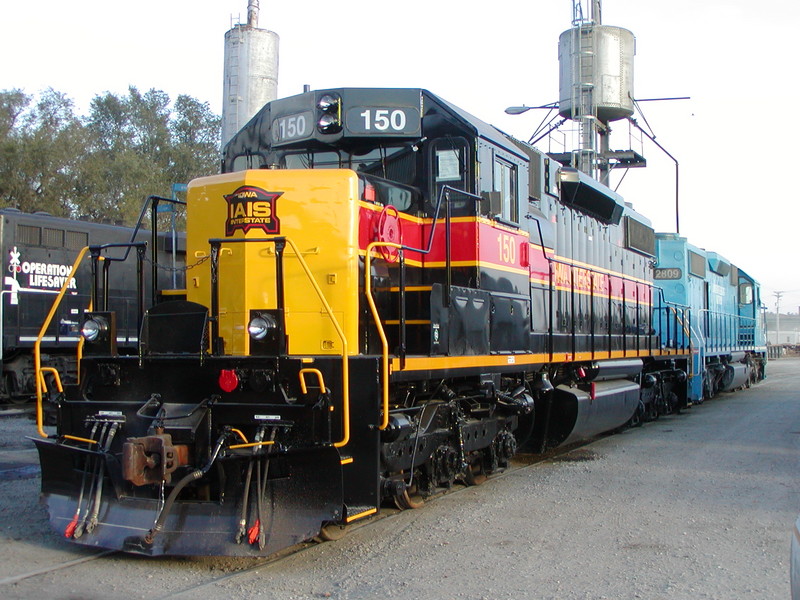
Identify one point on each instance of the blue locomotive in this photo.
(726, 325)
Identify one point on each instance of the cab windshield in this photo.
(394, 163)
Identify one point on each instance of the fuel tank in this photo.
(579, 414)
(736, 375)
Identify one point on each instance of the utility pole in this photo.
(777, 316)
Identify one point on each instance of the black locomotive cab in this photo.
(407, 145)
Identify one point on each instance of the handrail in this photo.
(724, 329)
(216, 242)
(381, 333)
(679, 318)
(54, 372)
(444, 196)
(320, 380)
(593, 270)
(37, 354)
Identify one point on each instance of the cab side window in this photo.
(449, 166)
(505, 184)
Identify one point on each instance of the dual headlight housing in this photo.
(330, 113)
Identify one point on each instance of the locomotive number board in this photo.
(667, 273)
(383, 120)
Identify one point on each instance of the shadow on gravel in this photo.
(580, 455)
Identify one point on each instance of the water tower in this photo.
(250, 72)
(595, 88)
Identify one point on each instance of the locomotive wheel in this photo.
(708, 387)
(475, 473)
(405, 500)
(331, 533)
(12, 395)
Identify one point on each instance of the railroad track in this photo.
(58, 567)
(520, 462)
(16, 410)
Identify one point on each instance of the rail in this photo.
(674, 324)
(280, 244)
(152, 202)
(379, 326)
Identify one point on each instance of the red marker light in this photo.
(228, 380)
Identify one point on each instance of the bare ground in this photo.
(698, 505)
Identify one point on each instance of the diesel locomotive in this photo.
(38, 251)
(386, 296)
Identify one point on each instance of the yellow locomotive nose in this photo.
(317, 211)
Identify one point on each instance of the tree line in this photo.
(101, 166)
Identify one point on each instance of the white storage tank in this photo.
(596, 72)
(250, 73)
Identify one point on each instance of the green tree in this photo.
(101, 166)
(13, 104)
(41, 148)
(196, 136)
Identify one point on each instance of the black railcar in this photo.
(38, 252)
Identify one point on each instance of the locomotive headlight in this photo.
(327, 102)
(328, 123)
(330, 113)
(93, 327)
(260, 326)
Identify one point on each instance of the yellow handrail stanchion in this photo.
(345, 364)
(55, 374)
(384, 342)
(37, 356)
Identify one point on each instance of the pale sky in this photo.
(736, 59)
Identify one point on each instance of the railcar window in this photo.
(29, 235)
(313, 160)
(448, 165)
(241, 163)
(394, 163)
(746, 293)
(403, 198)
(53, 238)
(76, 240)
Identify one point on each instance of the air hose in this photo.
(193, 476)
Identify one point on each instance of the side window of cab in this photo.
(448, 165)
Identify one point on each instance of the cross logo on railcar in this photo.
(251, 207)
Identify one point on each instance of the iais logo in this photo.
(249, 208)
